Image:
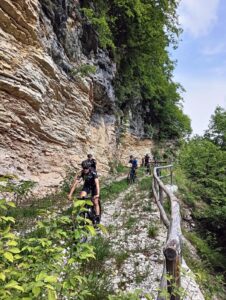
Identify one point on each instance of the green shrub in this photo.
(210, 256)
(45, 267)
(83, 70)
(147, 208)
(102, 248)
(152, 231)
(130, 222)
(212, 285)
(99, 285)
(136, 295)
(120, 257)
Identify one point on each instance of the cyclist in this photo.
(147, 163)
(91, 185)
(133, 162)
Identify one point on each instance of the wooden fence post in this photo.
(161, 195)
(171, 175)
(172, 250)
(173, 271)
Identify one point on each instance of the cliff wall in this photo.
(50, 117)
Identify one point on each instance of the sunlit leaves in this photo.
(46, 266)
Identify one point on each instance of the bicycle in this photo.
(85, 219)
(88, 211)
(148, 168)
(131, 178)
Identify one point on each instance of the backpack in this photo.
(134, 163)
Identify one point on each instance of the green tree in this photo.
(138, 34)
(217, 128)
(204, 163)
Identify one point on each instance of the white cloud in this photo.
(219, 48)
(202, 97)
(198, 16)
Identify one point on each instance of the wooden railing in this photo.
(171, 279)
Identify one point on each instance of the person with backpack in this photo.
(134, 164)
(91, 186)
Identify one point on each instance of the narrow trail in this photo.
(137, 237)
(138, 259)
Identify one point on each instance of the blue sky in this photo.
(201, 56)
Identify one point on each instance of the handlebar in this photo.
(84, 198)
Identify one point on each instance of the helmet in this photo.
(85, 165)
(131, 156)
(89, 156)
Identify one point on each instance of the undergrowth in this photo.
(211, 284)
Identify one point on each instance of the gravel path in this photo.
(137, 237)
(138, 259)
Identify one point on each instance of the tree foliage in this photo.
(138, 34)
(217, 128)
(204, 159)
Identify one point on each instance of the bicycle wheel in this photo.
(134, 178)
(128, 179)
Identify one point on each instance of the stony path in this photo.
(137, 237)
(138, 259)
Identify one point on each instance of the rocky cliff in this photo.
(51, 116)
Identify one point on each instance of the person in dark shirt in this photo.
(91, 162)
(91, 186)
(146, 160)
(147, 163)
(134, 164)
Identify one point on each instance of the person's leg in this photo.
(134, 172)
(96, 203)
(85, 191)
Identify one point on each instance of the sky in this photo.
(201, 59)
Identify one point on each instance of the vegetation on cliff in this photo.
(138, 35)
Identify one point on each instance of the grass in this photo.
(24, 215)
(130, 222)
(140, 277)
(95, 267)
(117, 167)
(185, 188)
(120, 169)
(147, 208)
(128, 197)
(145, 184)
(167, 206)
(120, 257)
(209, 255)
(212, 285)
(127, 201)
(152, 231)
(111, 228)
(114, 189)
(102, 248)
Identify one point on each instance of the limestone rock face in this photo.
(49, 118)
(133, 145)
